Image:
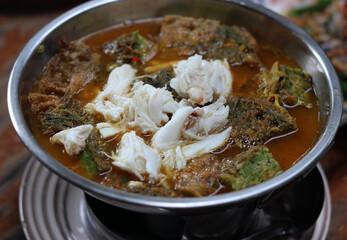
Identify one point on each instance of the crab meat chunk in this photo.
(202, 81)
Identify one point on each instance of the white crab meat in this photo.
(112, 111)
(152, 106)
(113, 102)
(191, 124)
(206, 120)
(136, 157)
(139, 106)
(73, 139)
(178, 156)
(169, 135)
(120, 79)
(108, 130)
(202, 81)
(189, 133)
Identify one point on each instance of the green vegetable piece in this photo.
(93, 159)
(308, 29)
(161, 79)
(141, 45)
(124, 179)
(97, 148)
(66, 115)
(291, 84)
(249, 168)
(315, 7)
(54, 122)
(88, 163)
(40, 49)
(129, 48)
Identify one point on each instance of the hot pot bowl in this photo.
(96, 15)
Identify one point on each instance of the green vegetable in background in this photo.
(316, 7)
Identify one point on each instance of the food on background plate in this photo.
(326, 22)
(174, 107)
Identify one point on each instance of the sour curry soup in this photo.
(219, 170)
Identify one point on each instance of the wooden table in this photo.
(15, 30)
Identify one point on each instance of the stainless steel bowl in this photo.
(96, 15)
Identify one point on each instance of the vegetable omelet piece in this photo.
(255, 120)
(249, 168)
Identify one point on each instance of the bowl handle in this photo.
(344, 116)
